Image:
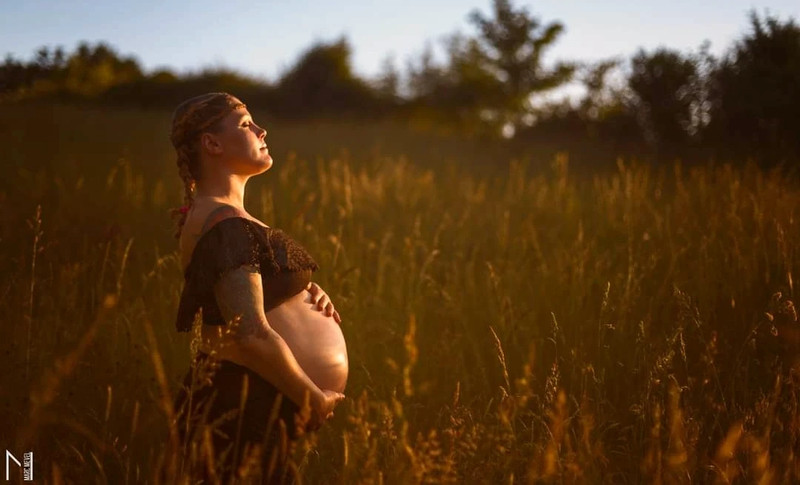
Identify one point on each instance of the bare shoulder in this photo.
(201, 221)
(220, 213)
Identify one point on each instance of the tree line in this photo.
(668, 103)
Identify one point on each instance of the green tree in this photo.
(599, 95)
(488, 80)
(90, 71)
(755, 93)
(666, 91)
(508, 51)
(388, 83)
(18, 79)
(456, 95)
(322, 82)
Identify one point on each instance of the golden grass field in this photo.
(508, 320)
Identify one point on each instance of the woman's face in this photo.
(242, 143)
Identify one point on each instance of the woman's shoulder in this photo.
(222, 228)
(229, 237)
(224, 212)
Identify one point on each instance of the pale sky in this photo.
(263, 38)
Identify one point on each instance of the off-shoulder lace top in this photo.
(285, 267)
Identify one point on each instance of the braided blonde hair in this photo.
(192, 118)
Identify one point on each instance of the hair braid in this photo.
(188, 186)
(190, 119)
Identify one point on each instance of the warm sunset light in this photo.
(484, 242)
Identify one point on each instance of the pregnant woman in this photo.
(270, 338)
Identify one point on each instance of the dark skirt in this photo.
(227, 413)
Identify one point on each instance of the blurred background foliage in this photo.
(660, 105)
(511, 312)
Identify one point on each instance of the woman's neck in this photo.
(229, 190)
(228, 199)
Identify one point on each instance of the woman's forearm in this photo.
(269, 356)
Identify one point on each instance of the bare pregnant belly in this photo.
(315, 339)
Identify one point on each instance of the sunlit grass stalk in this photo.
(173, 445)
(52, 379)
(37, 233)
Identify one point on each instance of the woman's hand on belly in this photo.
(316, 340)
(323, 301)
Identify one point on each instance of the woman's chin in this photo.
(264, 164)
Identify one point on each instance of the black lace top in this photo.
(285, 267)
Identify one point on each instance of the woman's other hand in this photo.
(322, 301)
(322, 408)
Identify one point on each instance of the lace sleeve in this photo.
(228, 245)
(287, 254)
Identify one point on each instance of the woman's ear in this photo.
(210, 143)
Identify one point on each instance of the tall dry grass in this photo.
(517, 324)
